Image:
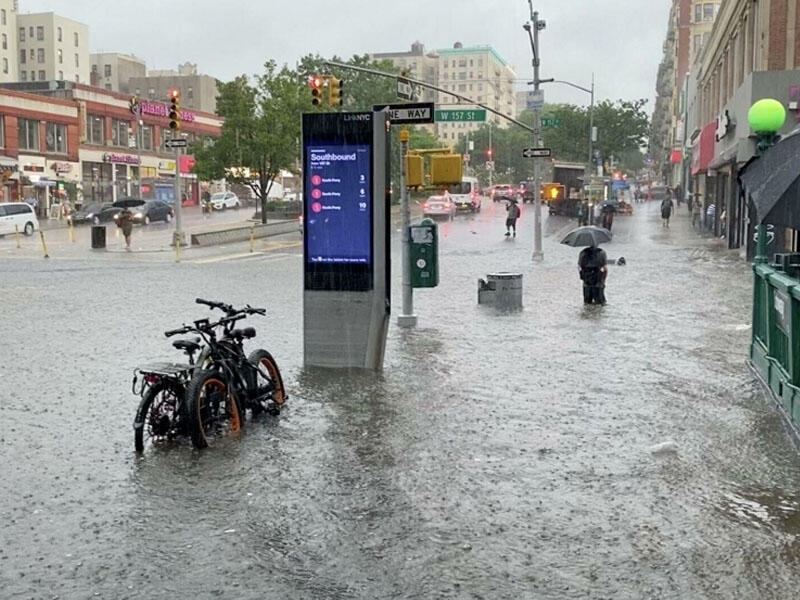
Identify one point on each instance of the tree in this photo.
(260, 131)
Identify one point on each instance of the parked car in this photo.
(503, 191)
(439, 206)
(223, 200)
(17, 216)
(95, 213)
(153, 210)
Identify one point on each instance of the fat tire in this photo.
(28, 228)
(203, 385)
(142, 422)
(268, 368)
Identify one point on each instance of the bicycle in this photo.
(162, 413)
(219, 396)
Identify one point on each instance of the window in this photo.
(708, 11)
(30, 32)
(94, 130)
(190, 95)
(60, 39)
(32, 54)
(5, 65)
(77, 61)
(40, 33)
(107, 70)
(76, 39)
(5, 42)
(21, 34)
(2, 132)
(60, 56)
(94, 68)
(42, 75)
(108, 87)
(61, 75)
(28, 134)
(33, 75)
(23, 76)
(2, 16)
(146, 137)
(40, 55)
(119, 132)
(22, 56)
(56, 138)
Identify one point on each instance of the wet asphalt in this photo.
(562, 451)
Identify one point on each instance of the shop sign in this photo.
(128, 159)
(61, 167)
(166, 165)
(157, 109)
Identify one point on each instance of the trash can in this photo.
(98, 236)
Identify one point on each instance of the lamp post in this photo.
(765, 117)
(533, 33)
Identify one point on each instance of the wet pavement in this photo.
(564, 451)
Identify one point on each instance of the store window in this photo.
(94, 130)
(28, 134)
(56, 138)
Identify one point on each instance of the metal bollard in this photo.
(252, 237)
(44, 244)
(16, 235)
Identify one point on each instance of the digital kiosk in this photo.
(346, 297)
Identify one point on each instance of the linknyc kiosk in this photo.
(346, 258)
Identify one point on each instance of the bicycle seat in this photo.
(186, 345)
(243, 334)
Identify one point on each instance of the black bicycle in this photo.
(219, 394)
(162, 414)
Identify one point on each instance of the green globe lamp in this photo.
(766, 117)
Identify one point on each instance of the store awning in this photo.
(676, 157)
(707, 140)
(772, 180)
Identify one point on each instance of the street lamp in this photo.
(589, 91)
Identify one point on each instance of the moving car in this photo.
(95, 213)
(129, 202)
(439, 206)
(223, 200)
(466, 195)
(503, 191)
(153, 210)
(17, 216)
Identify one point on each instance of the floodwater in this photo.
(562, 451)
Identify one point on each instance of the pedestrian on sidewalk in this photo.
(125, 223)
(711, 213)
(666, 210)
(697, 212)
(511, 217)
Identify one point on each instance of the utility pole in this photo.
(408, 318)
(533, 32)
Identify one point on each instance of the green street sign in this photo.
(459, 116)
(550, 122)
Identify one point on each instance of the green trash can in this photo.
(98, 236)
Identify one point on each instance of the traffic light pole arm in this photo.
(589, 91)
(430, 87)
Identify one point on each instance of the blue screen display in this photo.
(338, 203)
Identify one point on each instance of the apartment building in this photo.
(475, 72)
(9, 69)
(113, 71)
(198, 92)
(52, 47)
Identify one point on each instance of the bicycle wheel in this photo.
(269, 383)
(213, 410)
(157, 417)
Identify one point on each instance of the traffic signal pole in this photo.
(533, 32)
(408, 318)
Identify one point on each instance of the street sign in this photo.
(550, 122)
(175, 143)
(405, 91)
(407, 114)
(535, 100)
(535, 152)
(490, 165)
(460, 115)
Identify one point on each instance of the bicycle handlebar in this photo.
(227, 308)
(180, 331)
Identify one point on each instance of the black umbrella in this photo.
(588, 235)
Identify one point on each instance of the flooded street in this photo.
(564, 451)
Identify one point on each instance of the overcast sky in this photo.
(226, 38)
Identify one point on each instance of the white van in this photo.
(17, 216)
(466, 195)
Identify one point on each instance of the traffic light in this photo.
(335, 91)
(489, 154)
(553, 192)
(316, 82)
(175, 110)
(134, 104)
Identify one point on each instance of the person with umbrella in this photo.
(591, 260)
(511, 218)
